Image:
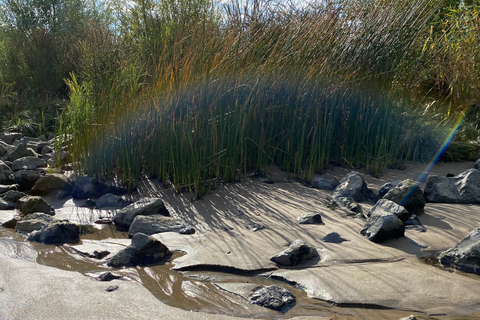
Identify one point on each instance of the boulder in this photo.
(333, 238)
(56, 233)
(34, 221)
(13, 196)
(272, 297)
(111, 200)
(353, 186)
(6, 174)
(476, 165)
(324, 183)
(463, 188)
(26, 179)
(87, 187)
(47, 149)
(387, 187)
(33, 143)
(6, 205)
(32, 204)
(465, 256)
(154, 224)
(409, 195)
(143, 250)
(348, 203)
(28, 163)
(6, 188)
(3, 149)
(11, 137)
(21, 151)
(383, 223)
(89, 203)
(297, 252)
(51, 182)
(143, 207)
(410, 317)
(310, 218)
(10, 223)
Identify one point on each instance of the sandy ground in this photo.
(353, 272)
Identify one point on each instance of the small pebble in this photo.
(111, 288)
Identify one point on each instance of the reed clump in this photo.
(209, 93)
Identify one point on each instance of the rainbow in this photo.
(436, 156)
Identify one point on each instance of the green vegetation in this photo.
(196, 92)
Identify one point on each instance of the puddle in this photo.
(191, 290)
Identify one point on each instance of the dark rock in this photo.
(273, 297)
(111, 200)
(6, 174)
(465, 256)
(51, 182)
(21, 151)
(463, 188)
(353, 186)
(324, 183)
(34, 221)
(26, 179)
(88, 203)
(409, 195)
(414, 223)
(11, 137)
(46, 149)
(112, 288)
(32, 204)
(387, 187)
(56, 233)
(6, 188)
(441, 189)
(100, 255)
(154, 224)
(187, 230)
(253, 226)
(34, 143)
(383, 223)
(348, 203)
(298, 251)
(262, 178)
(28, 163)
(310, 218)
(477, 164)
(11, 223)
(87, 187)
(104, 220)
(67, 167)
(5, 205)
(143, 207)
(144, 250)
(108, 276)
(3, 149)
(13, 196)
(333, 238)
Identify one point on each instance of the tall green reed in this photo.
(297, 89)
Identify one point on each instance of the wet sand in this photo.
(367, 280)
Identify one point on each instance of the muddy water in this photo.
(195, 291)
